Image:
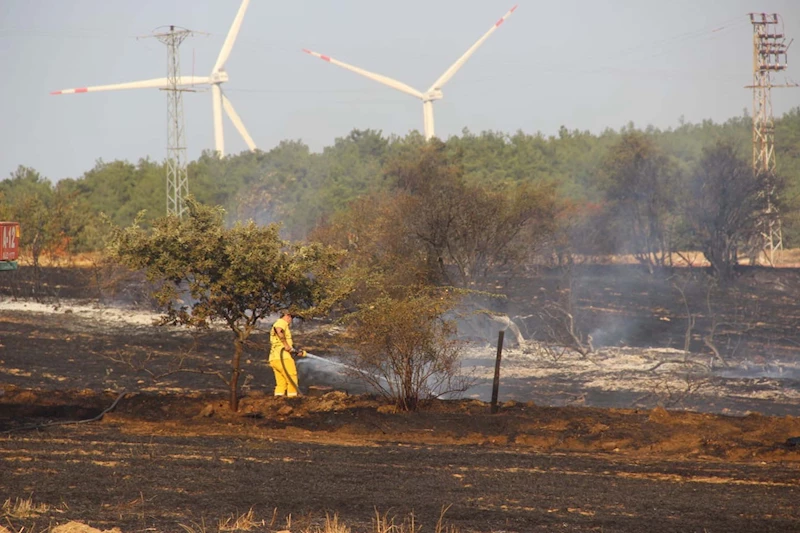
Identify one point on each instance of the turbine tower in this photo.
(215, 80)
(434, 92)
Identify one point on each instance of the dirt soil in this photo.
(171, 456)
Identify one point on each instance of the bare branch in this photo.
(146, 364)
(68, 422)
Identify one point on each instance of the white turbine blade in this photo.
(231, 38)
(449, 73)
(394, 84)
(238, 122)
(157, 83)
(216, 109)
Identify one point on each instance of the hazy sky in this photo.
(583, 64)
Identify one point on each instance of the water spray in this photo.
(328, 361)
(348, 367)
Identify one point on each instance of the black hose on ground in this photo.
(286, 373)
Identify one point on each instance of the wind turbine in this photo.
(434, 92)
(217, 77)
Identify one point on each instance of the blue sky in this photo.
(583, 64)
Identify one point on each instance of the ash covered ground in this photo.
(637, 435)
(620, 377)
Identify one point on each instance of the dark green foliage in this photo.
(121, 189)
(787, 155)
(300, 189)
(52, 216)
(237, 276)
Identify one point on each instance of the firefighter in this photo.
(280, 356)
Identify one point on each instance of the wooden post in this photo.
(496, 384)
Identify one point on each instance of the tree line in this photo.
(645, 192)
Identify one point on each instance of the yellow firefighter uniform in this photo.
(280, 359)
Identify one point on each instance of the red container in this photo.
(9, 241)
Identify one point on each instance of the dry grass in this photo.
(23, 508)
(441, 527)
(244, 522)
(788, 258)
(88, 259)
(195, 527)
(332, 525)
(382, 523)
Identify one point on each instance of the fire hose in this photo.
(283, 365)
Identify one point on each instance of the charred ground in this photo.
(166, 456)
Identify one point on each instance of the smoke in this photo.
(332, 373)
(614, 330)
(485, 327)
(765, 369)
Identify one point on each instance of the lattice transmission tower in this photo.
(769, 57)
(177, 177)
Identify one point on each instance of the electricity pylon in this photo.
(177, 177)
(769, 56)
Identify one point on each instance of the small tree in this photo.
(405, 348)
(560, 319)
(641, 191)
(466, 231)
(238, 275)
(429, 180)
(494, 230)
(727, 202)
(50, 216)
